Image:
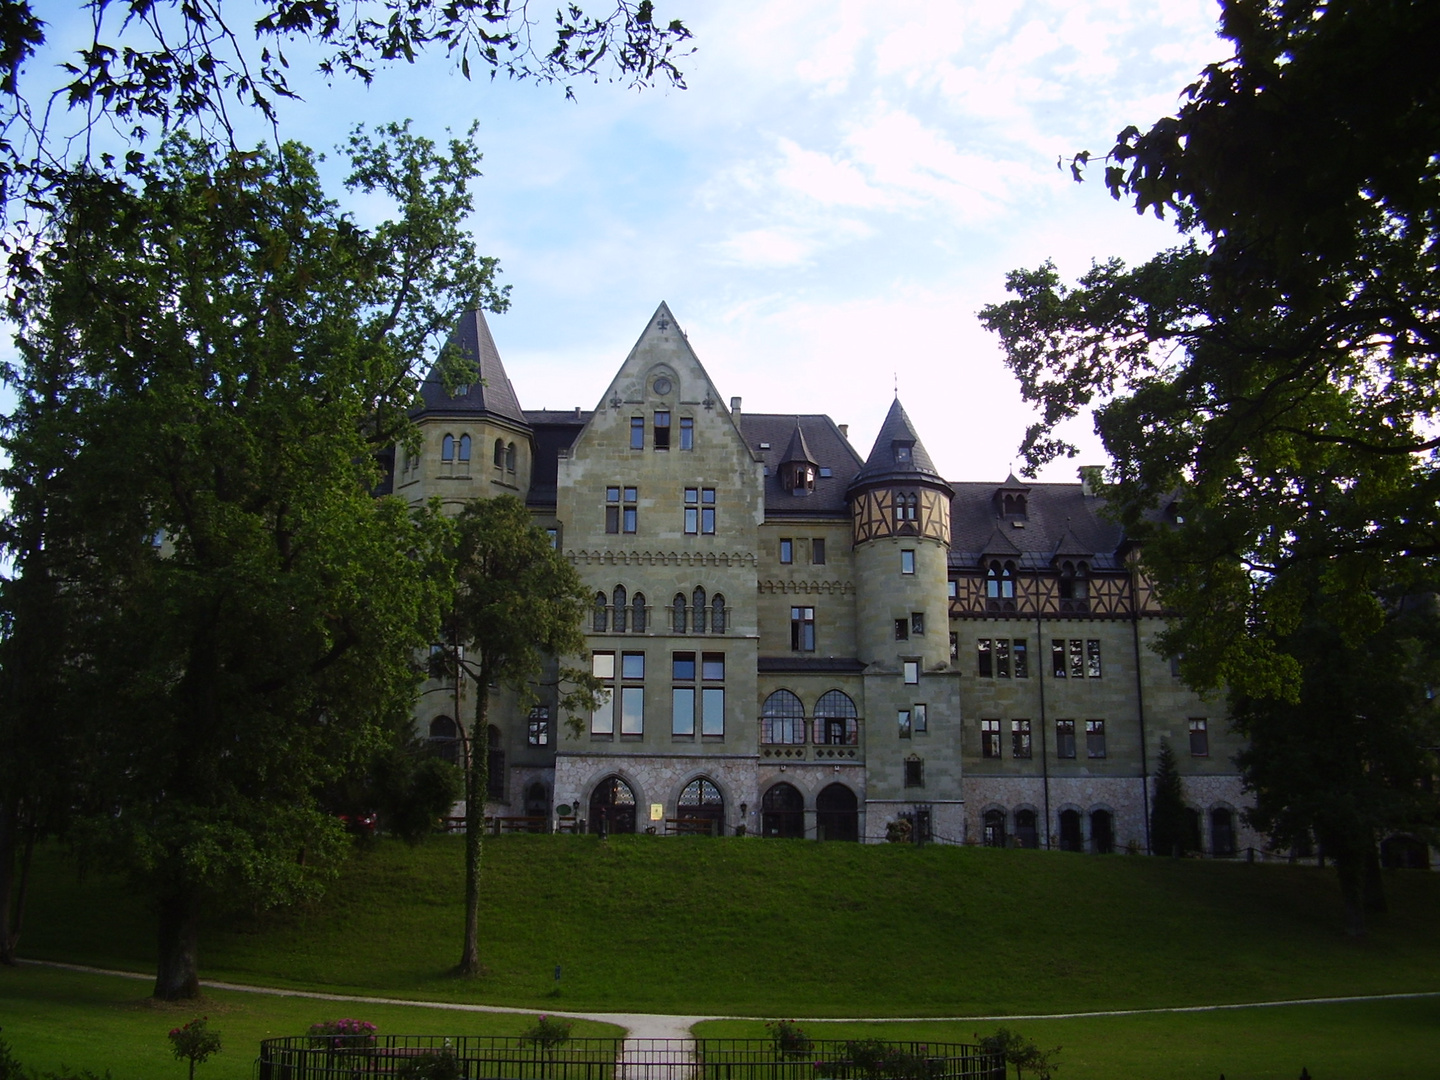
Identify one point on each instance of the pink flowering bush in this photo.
(344, 1034)
(194, 1042)
(547, 1032)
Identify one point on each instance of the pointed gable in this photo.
(898, 453)
(488, 392)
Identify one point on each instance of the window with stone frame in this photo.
(662, 429)
(537, 726)
(802, 629)
(682, 695)
(1020, 747)
(622, 511)
(637, 433)
(1095, 738)
(989, 738)
(914, 772)
(1064, 738)
(1199, 737)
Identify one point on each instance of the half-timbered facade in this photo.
(798, 641)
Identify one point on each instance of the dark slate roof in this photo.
(773, 665)
(881, 466)
(798, 450)
(825, 445)
(1059, 519)
(490, 392)
(555, 431)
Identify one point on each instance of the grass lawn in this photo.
(100, 1022)
(746, 927)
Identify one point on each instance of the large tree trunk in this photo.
(477, 783)
(177, 976)
(9, 933)
(1351, 870)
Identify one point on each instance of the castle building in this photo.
(801, 641)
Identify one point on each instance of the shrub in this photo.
(547, 1032)
(346, 1034)
(1020, 1052)
(194, 1042)
(789, 1039)
(432, 1065)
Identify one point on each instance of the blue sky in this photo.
(826, 207)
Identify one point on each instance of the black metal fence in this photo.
(511, 1058)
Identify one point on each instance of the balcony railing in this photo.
(820, 738)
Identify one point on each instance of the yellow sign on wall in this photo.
(657, 811)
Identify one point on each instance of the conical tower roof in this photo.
(489, 392)
(798, 450)
(898, 455)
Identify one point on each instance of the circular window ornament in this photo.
(661, 385)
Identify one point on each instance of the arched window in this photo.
(620, 601)
(1000, 586)
(717, 614)
(1222, 833)
(1007, 581)
(782, 720)
(464, 454)
(447, 448)
(1102, 832)
(906, 504)
(612, 807)
(1070, 830)
(677, 614)
(994, 828)
(445, 739)
(637, 613)
(837, 814)
(702, 809)
(600, 620)
(510, 458)
(1074, 587)
(836, 721)
(782, 812)
(499, 453)
(697, 601)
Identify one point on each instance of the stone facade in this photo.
(803, 642)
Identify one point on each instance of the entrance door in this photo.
(837, 814)
(612, 807)
(783, 812)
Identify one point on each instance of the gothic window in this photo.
(702, 809)
(464, 451)
(677, 614)
(994, 828)
(717, 614)
(600, 619)
(906, 507)
(510, 458)
(499, 453)
(782, 812)
(697, 602)
(638, 613)
(782, 720)
(620, 601)
(447, 448)
(836, 721)
(612, 807)
(445, 739)
(1000, 586)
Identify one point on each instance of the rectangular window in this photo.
(914, 773)
(632, 710)
(1077, 659)
(602, 665)
(802, 629)
(989, 738)
(682, 710)
(1065, 738)
(637, 433)
(537, 731)
(1002, 658)
(1199, 737)
(1057, 657)
(952, 588)
(683, 667)
(630, 515)
(920, 716)
(1021, 658)
(602, 720)
(902, 717)
(912, 672)
(554, 535)
(787, 551)
(662, 430)
(954, 646)
(632, 666)
(707, 511)
(1095, 738)
(902, 630)
(612, 509)
(687, 433)
(692, 511)
(984, 655)
(917, 622)
(712, 666)
(817, 551)
(1020, 739)
(1092, 659)
(907, 561)
(712, 711)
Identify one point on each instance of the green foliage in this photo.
(412, 790)
(207, 370)
(1021, 1052)
(879, 1059)
(1173, 829)
(789, 1038)
(433, 1065)
(194, 1042)
(548, 1032)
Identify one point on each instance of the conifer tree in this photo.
(1169, 822)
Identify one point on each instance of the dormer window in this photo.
(904, 452)
(800, 479)
(1012, 505)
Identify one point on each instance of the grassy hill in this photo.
(789, 928)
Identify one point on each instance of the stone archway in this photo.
(837, 814)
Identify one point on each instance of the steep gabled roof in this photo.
(490, 392)
(829, 450)
(886, 462)
(799, 449)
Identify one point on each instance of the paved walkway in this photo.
(670, 1026)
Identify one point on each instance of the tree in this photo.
(210, 362)
(185, 64)
(1267, 389)
(1172, 829)
(519, 607)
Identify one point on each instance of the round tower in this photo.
(900, 528)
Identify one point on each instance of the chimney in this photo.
(735, 407)
(577, 412)
(844, 430)
(1091, 479)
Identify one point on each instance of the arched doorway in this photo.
(1102, 832)
(702, 808)
(1222, 833)
(1070, 831)
(445, 739)
(994, 829)
(1027, 832)
(537, 800)
(837, 814)
(783, 812)
(612, 807)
